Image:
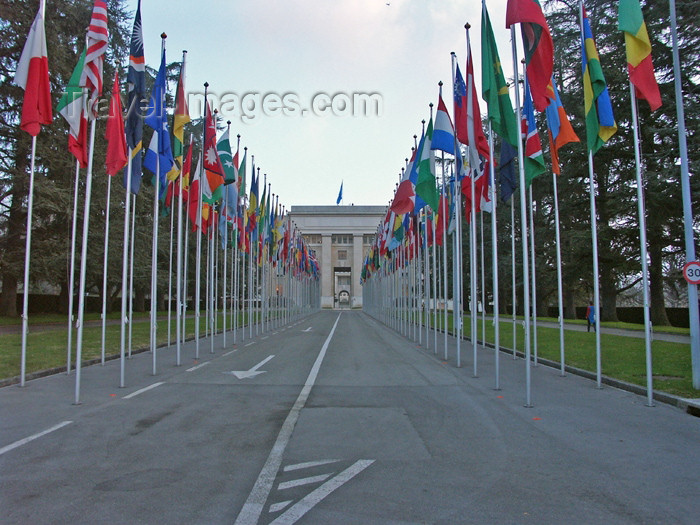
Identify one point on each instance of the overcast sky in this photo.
(292, 51)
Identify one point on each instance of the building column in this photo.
(326, 272)
(357, 259)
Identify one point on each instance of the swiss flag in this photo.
(33, 76)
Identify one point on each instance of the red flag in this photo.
(33, 76)
(116, 138)
(539, 49)
(212, 162)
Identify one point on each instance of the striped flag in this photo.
(638, 47)
(534, 160)
(181, 116)
(600, 121)
(33, 76)
(72, 108)
(97, 38)
(560, 130)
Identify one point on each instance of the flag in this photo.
(223, 148)
(340, 194)
(405, 196)
(638, 47)
(560, 130)
(213, 168)
(33, 76)
(181, 116)
(534, 160)
(468, 118)
(426, 188)
(97, 39)
(600, 121)
(506, 174)
(159, 157)
(136, 87)
(537, 42)
(241, 173)
(116, 140)
(72, 108)
(443, 131)
(494, 88)
(194, 192)
(252, 202)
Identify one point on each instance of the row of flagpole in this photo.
(283, 274)
(389, 261)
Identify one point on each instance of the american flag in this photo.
(97, 37)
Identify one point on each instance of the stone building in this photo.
(341, 237)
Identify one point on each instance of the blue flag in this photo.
(136, 85)
(157, 119)
(340, 194)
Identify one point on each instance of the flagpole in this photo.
(594, 242)
(494, 266)
(457, 256)
(642, 247)
(560, 299)
(178, 274)
(693, 305)
(28, 245)
(154, 256)
(170, 262)
(198, 263)
(512, 272)
(532, 276)
(71, 278)
(104, 269)
(213, 293)
(131, 273)
(523, 221)
(83, 260)
(125, 264)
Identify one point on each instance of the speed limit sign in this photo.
(691, 272)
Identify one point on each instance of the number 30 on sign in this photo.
(691, 272)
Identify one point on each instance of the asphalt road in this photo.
(337, 419)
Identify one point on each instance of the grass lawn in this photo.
(48, 349)
(621, 357)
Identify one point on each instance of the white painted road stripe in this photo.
(26, 440)
(303, 481)
(276, 507)
(309, 464)
(251, 343)
(228, 353)
(253, 507)
(195, 367)
(134, 394)
(294, 513)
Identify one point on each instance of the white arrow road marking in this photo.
(276, 507)
(296, 511)
(244, 374)
(307, 330)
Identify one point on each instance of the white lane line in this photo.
(229, 353)
(26, 440)
(146, 389)
(251, 343)
(303, 481)
(264, 337)
(295, 512)
(253, 507)
(309, 464)
(195, 367)
(276, 507)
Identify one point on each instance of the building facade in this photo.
(341, 237)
